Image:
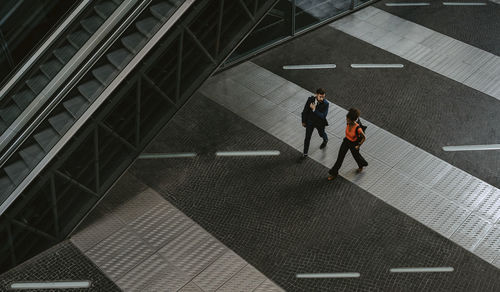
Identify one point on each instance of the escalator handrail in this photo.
(29, 113)
(28, 129)
(97, 103)
(14, 79)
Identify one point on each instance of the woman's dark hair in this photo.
(320, 91)
(353, 114)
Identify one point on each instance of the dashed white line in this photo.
(248, 153)
(472, 147)
(422, 270)
(51, 285)
(357, 66)
(393, 270)
(408, 4)
(316, 66)
(166, 155)
(464, 3)
(328, 275)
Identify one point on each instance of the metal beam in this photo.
(76, 183)
(96, 158)
(179, 65)
(157, 89)
(117, 136)
(11, 244)
(53, 198)
(32, 229)
(219, 27)
(138, 82)
(246, 10)
(199, 44)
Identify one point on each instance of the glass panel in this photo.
(275, 26)
(80, 166)
(205, 29)
(28, 242)
(112, 152)
(153, 108)
(308, 13)
(35, 211)
(234, 20)
(5, 252)
(72, 202)
(252, 5)
(194, 61)
(164, 71)
(123, 118)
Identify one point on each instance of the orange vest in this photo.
(351, 134)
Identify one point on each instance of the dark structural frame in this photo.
(101, 151)
(89, 164)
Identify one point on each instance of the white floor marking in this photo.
(422, 270)
(248, 153)
(408, 4)
(472, 147)
(315, 66)
(377, 66)
(51, 285)
(328, 275)
(464, 3)
(166, 155)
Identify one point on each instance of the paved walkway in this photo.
(450, 201)
(454, 59)
(143, 243)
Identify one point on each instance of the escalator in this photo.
(69, 139)
(73, 105)
(51, 70)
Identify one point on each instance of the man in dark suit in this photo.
(314, 116)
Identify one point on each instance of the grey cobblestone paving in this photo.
(61, 262)
(285, 218)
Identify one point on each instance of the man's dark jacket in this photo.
(317, 117)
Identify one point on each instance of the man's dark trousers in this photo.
(309, 130)
(347, 145)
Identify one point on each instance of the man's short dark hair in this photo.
(320, 91)
(353, 114)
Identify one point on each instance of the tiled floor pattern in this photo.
(476, 25)
(450, 201)
(143, 243)
(442, 54)
(285, 218)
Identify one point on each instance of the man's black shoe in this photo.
(323, 145)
